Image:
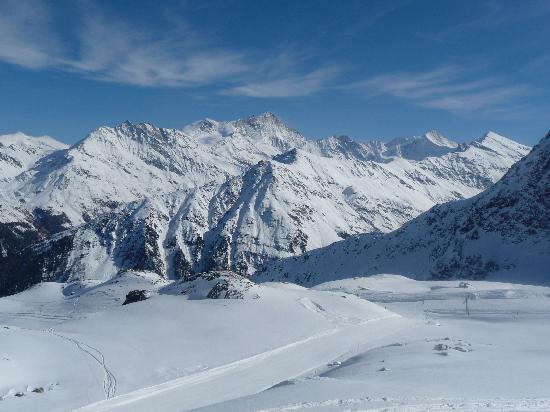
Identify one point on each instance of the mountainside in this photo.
(417, 148)
(220, 196)
(113, 166)
(502, 232)
(19, 152)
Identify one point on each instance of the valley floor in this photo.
(379, 343)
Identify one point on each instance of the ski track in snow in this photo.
(125, 400)
(109, 380)
(38, 315)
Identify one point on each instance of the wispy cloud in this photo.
(494, 14)
(449, 88)
(114, 51)
(295, 85)
(108, 48)
(26, 38)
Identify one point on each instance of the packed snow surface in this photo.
(379, 343)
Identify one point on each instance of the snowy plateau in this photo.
(240, 266)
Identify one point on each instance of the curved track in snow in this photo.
(109, 379)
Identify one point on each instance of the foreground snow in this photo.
(283, 347)
(86, 347)
(494, 359)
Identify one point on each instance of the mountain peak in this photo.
(497, 143)
(268, 115)
(128, 125)
(429, 144)
(268, 118)
(438, 139)
(492, 136)
(20, 138)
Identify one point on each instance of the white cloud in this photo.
(114, 51)
(108, 48)
(25, 35)
(295, 85)
(447, 88)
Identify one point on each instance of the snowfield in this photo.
(379, 343)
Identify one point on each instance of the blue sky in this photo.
(369, 69)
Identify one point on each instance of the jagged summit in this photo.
(262, 118)
(341, 146)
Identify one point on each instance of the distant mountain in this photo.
(220, 196)
(114, 166)
(417, 148)
(504, 232)
(19, 152)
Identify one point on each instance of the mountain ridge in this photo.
(218, 196)
(503, 231)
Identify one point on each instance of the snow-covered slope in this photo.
(504, 231)
(432, 143)
(223, 196)
(81, 345)
(283, 348)
(497, 351)
(19, 152)
(113, 166)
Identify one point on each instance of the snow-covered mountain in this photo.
(116, 165)
(19, 152)
(503, 232)
(432, 143)
(222, 196)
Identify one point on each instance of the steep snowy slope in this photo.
(19, 152)
(504, 231)
(113, 166)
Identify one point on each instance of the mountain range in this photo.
(217, 195)
(502, 233)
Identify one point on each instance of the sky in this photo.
(367, 69)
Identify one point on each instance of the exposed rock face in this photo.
(218, 285)
(220, 196)
(136, 296)
(504, 231)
